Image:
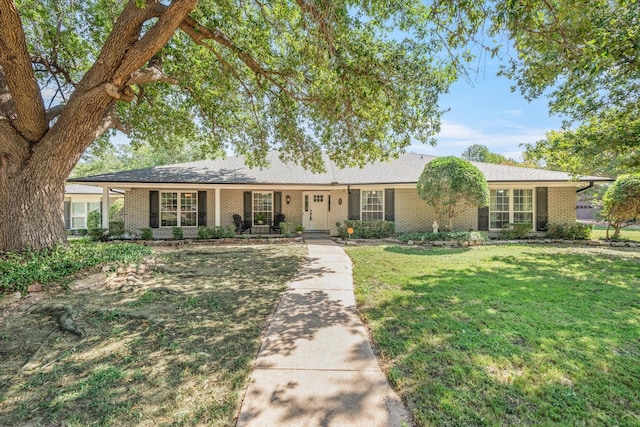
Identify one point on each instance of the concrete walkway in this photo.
(315, 366)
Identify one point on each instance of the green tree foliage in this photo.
(480, 153)
(103, 158)
(359, 80)
(452, 185)
(622, 202)
(605, 146)
(584, 56)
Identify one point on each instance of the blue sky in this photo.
(485, 111)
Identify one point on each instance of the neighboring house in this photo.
(586, 209)
(79, 200)
(209, 192)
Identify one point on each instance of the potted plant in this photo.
(261, 218)
(299, 229)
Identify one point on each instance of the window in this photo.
(78, 215)
(522, 206)
(80, 211)
(372, 205)
(262, 208)
(505, 210)
(179, 209)
(498, 208)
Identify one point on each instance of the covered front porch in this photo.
(163, 207)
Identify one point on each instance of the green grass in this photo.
(173, 348)
(506, 335)
(600, 232)
(19, 270)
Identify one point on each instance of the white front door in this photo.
(315, 212)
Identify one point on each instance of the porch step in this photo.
(316, 234)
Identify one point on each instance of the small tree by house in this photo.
(452, 185)
(622, 203)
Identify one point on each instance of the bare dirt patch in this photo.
(168, 344)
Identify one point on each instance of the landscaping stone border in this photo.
(466, 243)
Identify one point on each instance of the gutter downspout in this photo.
(585, 188)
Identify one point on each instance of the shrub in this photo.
(177, 233)
(81, 231)
(575, 231)
(18, 270)
(205, 232)
(98, 234)
(146, 233)
(452, 186)
(622, 203)
(116, 228)
(287, 228)
(116, 211)
(367, 229)
(516, 231)
(94, 220)
(460, 236)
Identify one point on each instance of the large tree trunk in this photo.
(32, 211)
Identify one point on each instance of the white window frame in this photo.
(362, 209)
(179, 209)
(254, 212)
(512, 212)
(85, 215)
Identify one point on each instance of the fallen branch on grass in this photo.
(63, 314)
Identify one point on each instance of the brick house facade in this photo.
(211, 192)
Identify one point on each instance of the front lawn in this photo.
(600, 232)
(170, 346)
(506, 335)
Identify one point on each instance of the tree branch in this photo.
(320, 19)
(154, 39)
(150, 75)
(54, 68)
(7, 108)
(111, 121)
(14, 59)
(54, 112)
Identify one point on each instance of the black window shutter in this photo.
(483, 218)
(67, 215)
(389, 210)
(354, 204)
(202, 208)
(247, 206)
(277, 202)
(154, 209)
(542, 215)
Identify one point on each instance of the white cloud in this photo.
(512, 113)
(455, 137)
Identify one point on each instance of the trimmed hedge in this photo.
(367, 229)
(460, 236)
(516, 231)
(573, 231)
(215, 232)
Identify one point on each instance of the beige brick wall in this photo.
(136, 214)
(562, 204)
(414, 214)
(232, 202)
(411, 212)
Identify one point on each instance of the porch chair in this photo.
(241, 226)
(275, 227)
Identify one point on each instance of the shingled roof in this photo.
(232, 170)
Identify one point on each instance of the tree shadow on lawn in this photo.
(174, 347)
(536, 338)
(425, 250)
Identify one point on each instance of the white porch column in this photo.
(217, 205)
(105, 207)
